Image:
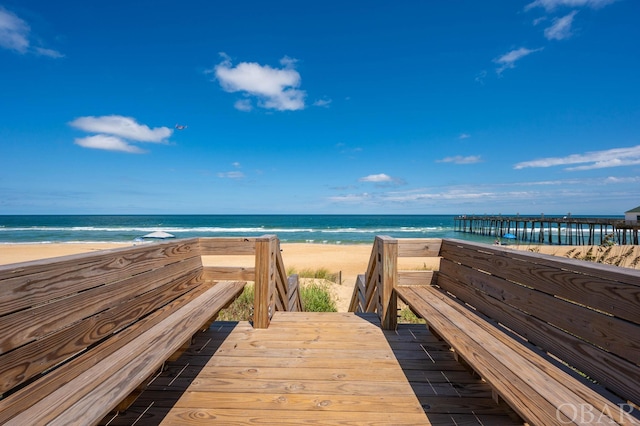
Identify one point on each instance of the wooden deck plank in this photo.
(309, 368)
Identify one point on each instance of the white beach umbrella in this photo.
(158, 234)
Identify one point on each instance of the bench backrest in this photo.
(586, 314)
(52, 310)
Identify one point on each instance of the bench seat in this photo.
(540, 390)
(85, 389)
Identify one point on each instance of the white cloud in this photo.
(243, 105)
(115, 133)
(561, 27)
(108, 143)
(459, 159)
(48, 52)
(509, 59)
(351, 198)
(615, 179)
(125, 127)
(15, 35)
(382, 180)
(323, 103)
(480, 77)
(464, 136)
(275, 88)
(448, 194)
(231, 175)
(551, 5)
(14, 32)
(376, 178)
(616, 157)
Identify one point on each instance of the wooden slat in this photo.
(295, 302)
(613, 372)
(32, 283)
(617, 336)
(227, 246)
(419, 247)
(27, 325)
(125, 368)
(24, 397)
(161, 249)
(29, 360)
(534, 393)
(225, 382)
(226, 273)
(606, 288)
(416, 277)
(594, 395)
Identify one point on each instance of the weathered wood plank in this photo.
(227, 273)
(27, 325)
(617, 336)
(507, 365)
(227, 246)
(29, 360)
(301, 386)
(189, 416)
(416, 277)
(603, 287)
(71, 369)
(125, 368)
(419, 247)
(32, 283)
(615, 373)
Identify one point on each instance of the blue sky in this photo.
(417, 107)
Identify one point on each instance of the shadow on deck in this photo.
(310, 368)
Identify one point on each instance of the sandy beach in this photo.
(348, 260)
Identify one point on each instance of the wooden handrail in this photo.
(274, 291)
(373, 291)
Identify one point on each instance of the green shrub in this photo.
(407, 316)
(316, 297)
(242, 308)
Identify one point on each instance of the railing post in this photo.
(265, 281)
(387, 279)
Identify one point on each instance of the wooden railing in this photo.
(373, 291)
(274, 291)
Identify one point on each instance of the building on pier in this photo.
(632, 216)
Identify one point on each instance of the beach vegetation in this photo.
(242, 308)
(318, 274)
(406, 316)
(315, 295)
(604, 254)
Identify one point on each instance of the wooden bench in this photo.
(79, 334)
(557, 339)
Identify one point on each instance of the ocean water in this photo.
(326, 229)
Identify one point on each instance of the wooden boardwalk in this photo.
(316, 368)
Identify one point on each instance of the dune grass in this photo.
(319, 274)
(603, 254)
(316, 297)
(314, 293)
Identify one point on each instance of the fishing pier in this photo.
(561, 230)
